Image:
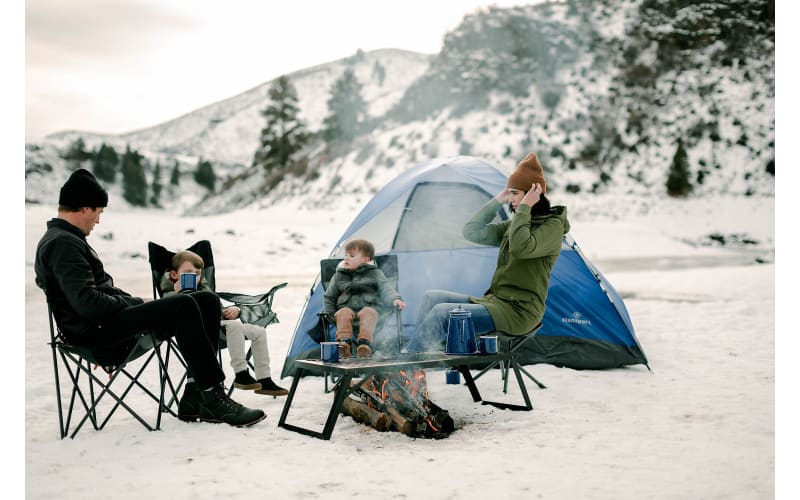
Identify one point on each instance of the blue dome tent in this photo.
(418, 217)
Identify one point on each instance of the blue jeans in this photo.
(433, 316)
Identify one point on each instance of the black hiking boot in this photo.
(189, 405)
(270, 388)
(245, 381)
(216, 407)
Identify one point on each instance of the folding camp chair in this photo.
(126, 361)
(254, 309)
(387, 264)
(513, 344)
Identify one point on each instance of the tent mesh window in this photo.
(420, 229)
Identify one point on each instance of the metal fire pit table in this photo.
(347, 369)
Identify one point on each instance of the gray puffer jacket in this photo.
(357, 288)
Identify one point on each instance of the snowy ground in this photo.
(701, 424)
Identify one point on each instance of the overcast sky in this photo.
(120, 65)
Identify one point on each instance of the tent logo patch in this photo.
(576, 319)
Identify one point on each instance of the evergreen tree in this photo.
(76, 153)
(284, 133)
(175, 175)
(155, 187)
(678, 183)
(204, 175)
(347, 109)
(134, 182)
(105, 163)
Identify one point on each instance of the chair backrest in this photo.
(161, 261)
(386, 263)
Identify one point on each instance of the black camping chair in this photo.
(513, 343)
(124, 365)
(254, 309)
(327, 323)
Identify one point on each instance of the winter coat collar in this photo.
(62, 224)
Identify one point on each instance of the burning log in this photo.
(404, 398)
(363, 414)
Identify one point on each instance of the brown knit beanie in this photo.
(528, 172)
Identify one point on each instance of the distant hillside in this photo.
(602, 91)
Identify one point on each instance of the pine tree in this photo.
(175, 175)
(105, 163)
(204, 175)
(678, 183)
(284, 133)
(76, 153)
(155, 187)
(134, 182)
(346, 107)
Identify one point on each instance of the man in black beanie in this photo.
(90, 311)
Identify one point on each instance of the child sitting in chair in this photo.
(355, 290)
(187, 261)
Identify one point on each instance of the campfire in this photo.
(398, 401)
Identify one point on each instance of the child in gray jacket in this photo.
(356, 290)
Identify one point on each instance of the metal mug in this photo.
(460, 333)
(188, 281)
(452, 376)
(329, 352)
(488, 344)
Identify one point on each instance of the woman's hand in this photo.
(399, 304)
(502, 196)
(531, 198)
(231, 312)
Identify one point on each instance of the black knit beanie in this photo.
(82, 190)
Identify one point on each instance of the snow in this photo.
(701, 424)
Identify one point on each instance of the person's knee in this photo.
(368, 314)
(206, 299)
(344, 313)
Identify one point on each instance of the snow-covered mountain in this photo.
(602, 91)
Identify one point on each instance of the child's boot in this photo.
(345, 349)
(364, 348)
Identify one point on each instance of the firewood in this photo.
(399, 422)
(363, 414)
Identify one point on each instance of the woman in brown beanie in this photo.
(529, 242)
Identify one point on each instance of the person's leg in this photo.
(234, 334)
(210, 309)
(176, 315)
(434, 313)
(257, 336)
(181, 316)
(344, 323)
(258, 342)
(367, 321)
(344, 330)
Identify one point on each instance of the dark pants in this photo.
(193, 319)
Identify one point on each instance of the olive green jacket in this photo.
(529, 247)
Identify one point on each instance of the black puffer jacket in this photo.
(73, 278)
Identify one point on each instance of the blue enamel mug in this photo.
(188, 281)
(329, 352)
(488, 344)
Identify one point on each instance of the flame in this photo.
(430, 422)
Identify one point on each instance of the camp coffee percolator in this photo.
(460, 333)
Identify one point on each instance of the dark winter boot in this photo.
(189, 405)
(364, 348)
(216, 407)
(270, 388)
(245, 381)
